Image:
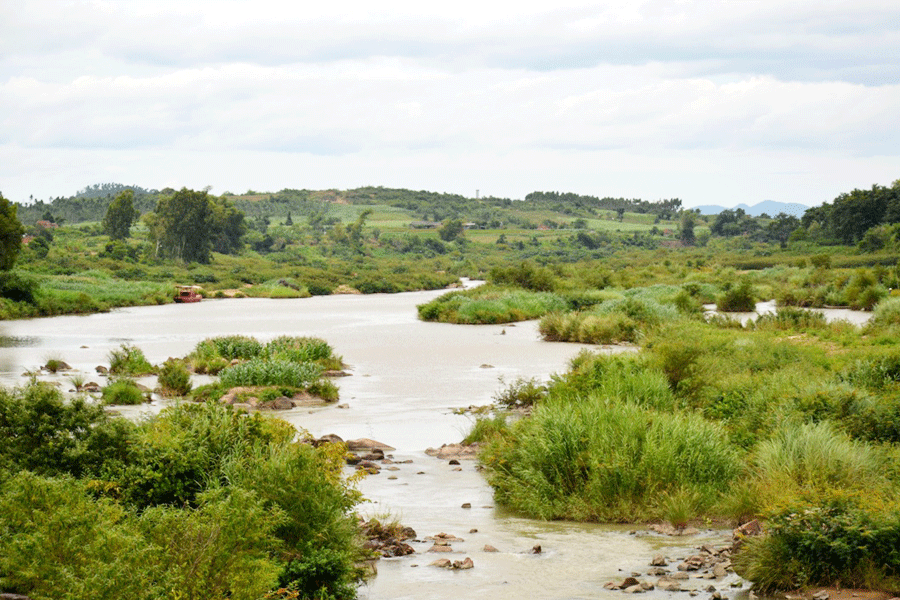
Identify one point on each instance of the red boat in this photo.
(187, 293)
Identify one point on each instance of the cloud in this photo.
(345, 83)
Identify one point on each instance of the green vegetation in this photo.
(123, 391)
(174, 378)
(787, 418)
(287, 365)
(129, 361)
(197, 502)
(490, 304)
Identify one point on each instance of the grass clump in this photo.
(259, 372)
(123, 391)
(174, 378)
(739, 298)
(129, 361)
(521, 393)
(596, 459)
(302, 349)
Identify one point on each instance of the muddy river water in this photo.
(408, 378)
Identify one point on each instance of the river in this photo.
(408, 380)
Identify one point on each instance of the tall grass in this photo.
(813, 459)
(490, 305)
(594, 459)
(259, 372)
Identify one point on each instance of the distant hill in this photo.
(770, 207)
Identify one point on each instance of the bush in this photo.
(521, 393)
(787, 318)
(123, 392)
(840, 542)
(174, 378)
(18, 287)
(488, 304)
(887, 312)
(54, 436)
(128, 361)
(738, 298)
(238, 347)
(57, 543)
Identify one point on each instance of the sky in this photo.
(712, 102)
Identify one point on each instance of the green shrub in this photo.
(55, 436)
(319, 533)
(489, 304)
(220, 549)
(485, 429)
(128, 361)
(18, 287)
(59, 543)
(123, 392)
(887, 312)
(521, 393)
(303, 349)
(814, 458)
(840, 542)
(739, 298)
(174, 378)
(239, 347)
(623, 377)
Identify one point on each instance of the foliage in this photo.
(58, 542)
(11, 231)
(739, 298)
(278, 372)
(521, 393)
(46, 434)
(123, 391)
(488, 304)
(598, 459)
(842, 540)
(129, 361)
(174, 378)
(120, 215)
(18, 286)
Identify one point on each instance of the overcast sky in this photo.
(713, 102)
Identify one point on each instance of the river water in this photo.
(408, 380)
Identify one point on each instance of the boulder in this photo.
(282, 403)
(444, 563)
(463, 564)
(659, 561)
(454, 451)
(489, 548)
(328, 438)
(367, 444)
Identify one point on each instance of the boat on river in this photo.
(187, 293)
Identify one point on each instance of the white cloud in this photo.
(349, 85)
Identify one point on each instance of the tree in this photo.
(687, 228)
(120, 215)
(185, 225)
(11, 232)
(451, 230)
